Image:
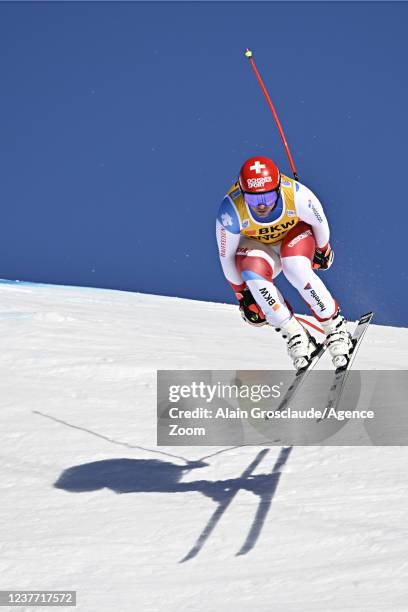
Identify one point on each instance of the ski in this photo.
(300, 377)
(341, 374)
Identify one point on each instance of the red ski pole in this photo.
(248, 54)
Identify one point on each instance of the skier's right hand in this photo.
(249, 309)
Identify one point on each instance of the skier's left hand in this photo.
(323, 258)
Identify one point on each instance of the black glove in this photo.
(249, 309)
(323, 258)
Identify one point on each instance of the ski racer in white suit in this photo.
(268, 223)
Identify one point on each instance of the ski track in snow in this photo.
(310, 529)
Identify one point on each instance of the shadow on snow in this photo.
(157, 476)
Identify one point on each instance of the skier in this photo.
(268, 223)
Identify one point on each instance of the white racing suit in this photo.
(253, 251)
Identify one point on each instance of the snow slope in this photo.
(90, 503)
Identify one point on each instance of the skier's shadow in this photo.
(156, 476)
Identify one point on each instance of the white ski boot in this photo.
(301, 345)
(338, 340)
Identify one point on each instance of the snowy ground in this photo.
(90, 503)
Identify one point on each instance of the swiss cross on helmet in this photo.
(259, 174)
(259, 180)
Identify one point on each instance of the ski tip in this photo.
(366, 317)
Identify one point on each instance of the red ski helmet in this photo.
(259, 175)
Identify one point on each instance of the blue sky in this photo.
(123, 124)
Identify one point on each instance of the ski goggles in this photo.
(269, 198)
